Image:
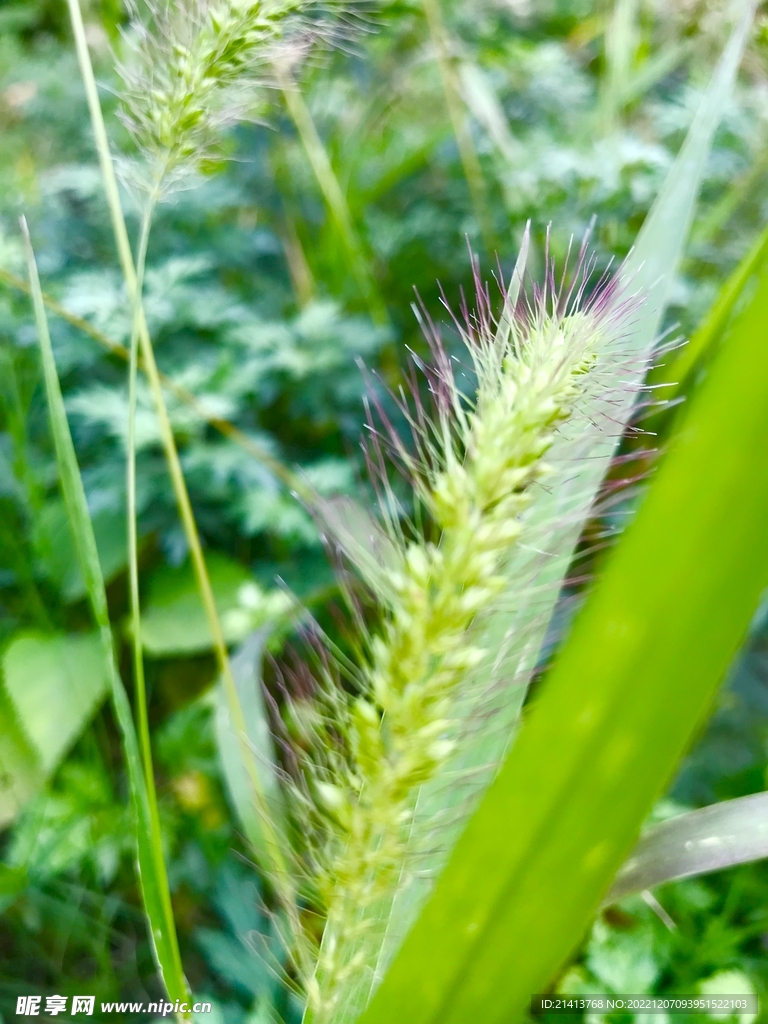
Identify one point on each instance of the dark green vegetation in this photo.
(260, 303)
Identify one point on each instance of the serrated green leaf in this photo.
(623, 961)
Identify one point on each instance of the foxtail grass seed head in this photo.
(190, 69)
(391, 727)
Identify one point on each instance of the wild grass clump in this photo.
(395, 744)
(386, 726)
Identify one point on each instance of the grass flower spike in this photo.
(190, 70)
(474, 470)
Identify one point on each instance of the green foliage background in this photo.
(255, 308)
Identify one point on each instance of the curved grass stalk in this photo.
(272, 852)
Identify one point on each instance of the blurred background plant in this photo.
(295, 258)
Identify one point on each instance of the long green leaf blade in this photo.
(712, 838)
(710, 332)
(615, 715)
(154, 881)
(246, 671)
(515, 633)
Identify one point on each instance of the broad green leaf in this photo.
(55, 684)
(619, 708)
(712, 838)
(21, 774)
(514, 634)
(174, 620)
(152, 873)
(56, 544)
(246, 671)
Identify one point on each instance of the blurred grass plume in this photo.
(190, 69)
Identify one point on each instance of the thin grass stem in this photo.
(133, 540)
(276, 862)
(473, 172)
(621, 32)
(332, 194)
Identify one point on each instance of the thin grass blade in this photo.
(457, 113)
(152, 872)
(713, 328)
(481, 98)
(710, 839)
(650, 269)
(246, 671)
(621, 40)
(359, 263)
